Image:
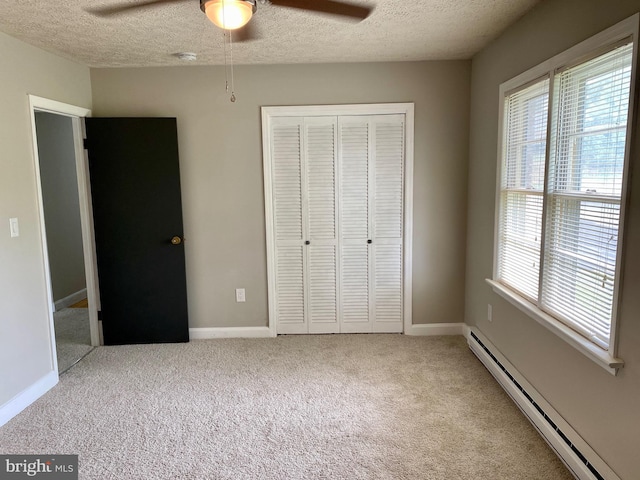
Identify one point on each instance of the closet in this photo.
(336, 191)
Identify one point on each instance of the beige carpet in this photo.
(295, 407)
(73, 337)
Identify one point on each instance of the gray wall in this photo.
(25, 349)
(222, 181)
(61, 205)
(604, 409)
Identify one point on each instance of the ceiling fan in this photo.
(235, 14)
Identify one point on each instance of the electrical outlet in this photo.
(489, 312)
(240, 295)
(14, 228)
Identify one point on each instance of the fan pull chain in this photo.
(233, 95)
(224, 45)
(226, 77)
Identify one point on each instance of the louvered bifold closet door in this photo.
(387, 222)
(337, 198)
(354, 160)
(288, 225)
(371, 159)
(319, 170)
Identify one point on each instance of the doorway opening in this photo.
(67, 230)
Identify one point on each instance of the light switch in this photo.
(240, 297)
(14, 227)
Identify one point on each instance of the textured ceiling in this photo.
(397, 30)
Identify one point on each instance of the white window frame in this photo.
(585, 50)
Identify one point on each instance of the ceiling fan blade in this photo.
(125, 7)
(327, 6)
(248, 33)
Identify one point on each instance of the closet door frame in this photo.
(406, 109)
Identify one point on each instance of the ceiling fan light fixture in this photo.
(228, 14)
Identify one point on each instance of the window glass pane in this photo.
(520, 242)
(526, 135)
(605, 101)
(591, 102)
(601, 162)
(590, 125)
(580, 258)
(523, 177)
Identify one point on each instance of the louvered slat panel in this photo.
(389, 147)
(388, 283)
(287, 183)
(354, 140)
(355, 283)
(290, 287)
(320, 158)
(322, 285)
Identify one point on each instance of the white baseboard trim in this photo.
(431, 329)
(229, 332)
(573, 450)
(25, 398)
(466, 330)
(70, 299)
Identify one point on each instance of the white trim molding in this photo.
(230, 332)
(77, 115)
(52, 106)
(25, 398)
(71, 299)
(601, 357)
(433, 329)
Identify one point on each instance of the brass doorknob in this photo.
(176, 240)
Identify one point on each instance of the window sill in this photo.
(599, 356)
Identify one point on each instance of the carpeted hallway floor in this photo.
(294, 407)
(73, 337)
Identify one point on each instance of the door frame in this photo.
(406, 109)
(77, 115)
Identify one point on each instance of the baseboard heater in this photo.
(575, 453)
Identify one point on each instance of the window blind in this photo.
(522, 187)
(586, 167)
